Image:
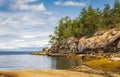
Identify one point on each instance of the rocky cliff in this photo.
(103, 41)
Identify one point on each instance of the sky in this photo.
(27, 24)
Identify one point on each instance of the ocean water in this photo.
(23, 60)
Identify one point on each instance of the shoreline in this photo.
(79, 71)
(84, 70)
(105, 62)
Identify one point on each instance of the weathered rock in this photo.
(66, 46)
(90, 70)
(101, 42)
(107, 42)
(118, 45)
(99, 33)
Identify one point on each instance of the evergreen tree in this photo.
(116, 12)
(107, 19)
(87, 23)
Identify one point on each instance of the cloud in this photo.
(1, 3)
(16, 44)
(25, 29)
(25, 24)
(25, 5)
(16, 41)
(70, 3)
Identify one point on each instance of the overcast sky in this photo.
(26, 24)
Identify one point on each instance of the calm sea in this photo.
(23, 60)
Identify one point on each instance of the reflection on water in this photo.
(65, 63)
(26, 61)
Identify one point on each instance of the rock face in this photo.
(66, 46)
(108, 41)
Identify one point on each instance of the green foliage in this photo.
(87, 23)
(116, 12)
(107, 19)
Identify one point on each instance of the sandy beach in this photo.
(45, 73)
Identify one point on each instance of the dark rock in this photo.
(66, 46)
(118, 45)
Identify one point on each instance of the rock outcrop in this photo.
(44, 51)
(90, 70)
(66, 46)
(108, 41)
